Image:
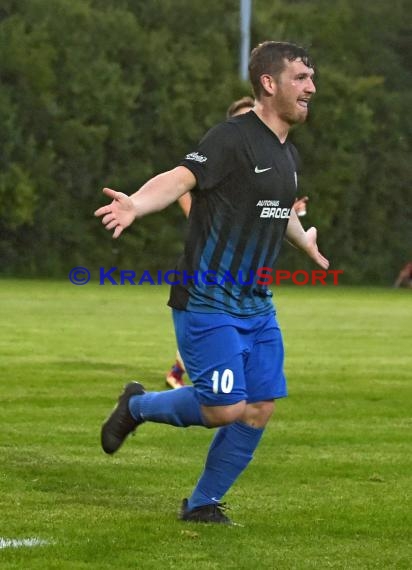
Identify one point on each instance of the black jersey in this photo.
(246, 187)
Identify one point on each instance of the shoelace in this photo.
(220, 508)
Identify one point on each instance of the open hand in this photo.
(119, 214)
(312, 248)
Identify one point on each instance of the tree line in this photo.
(100, 93)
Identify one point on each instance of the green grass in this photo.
(329, 484)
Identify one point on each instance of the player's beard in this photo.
(288, 109)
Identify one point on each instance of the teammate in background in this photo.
(227, 331)
(174, 378)
(404, 278)
(240, 106)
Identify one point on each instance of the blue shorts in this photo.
(230, 359)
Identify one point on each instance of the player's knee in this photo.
(258, 414)
(216, 416)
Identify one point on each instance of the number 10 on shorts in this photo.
(224, 382)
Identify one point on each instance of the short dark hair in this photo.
(269, 57)
(239, 104)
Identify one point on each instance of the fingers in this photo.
(107, 209)
(109, 192)
(111, 224)
(117, 232)
(108, 218)
(118, 229)
(322, 261)
(314, 252)
(102, 211)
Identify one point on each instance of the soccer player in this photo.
(174, 377)
(404, 278)
(242, 177)
(240, 106)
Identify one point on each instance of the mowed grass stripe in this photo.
(330, 482)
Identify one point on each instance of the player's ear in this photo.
(268, 83)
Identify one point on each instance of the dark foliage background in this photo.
(110, 92)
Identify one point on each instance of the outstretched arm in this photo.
(305, 240)
(158, 193)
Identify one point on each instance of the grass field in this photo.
(328, 488)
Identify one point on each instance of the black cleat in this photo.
(120, 422)
(206, 514)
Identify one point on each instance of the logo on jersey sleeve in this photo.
(271, 209)
(196, 157)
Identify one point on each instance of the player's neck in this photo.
(272, 121)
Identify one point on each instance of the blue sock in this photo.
(230, 452)
(175, 407)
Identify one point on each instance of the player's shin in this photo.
(230, 453)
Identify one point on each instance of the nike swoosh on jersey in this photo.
(259, 170)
